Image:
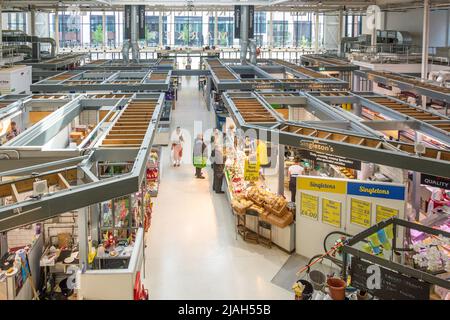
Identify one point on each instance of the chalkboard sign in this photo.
(393, 286)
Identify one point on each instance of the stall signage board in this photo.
(309, 206)
(360, 212)
(376, 190)
(127, 23)
(322, 185)
(237, 22)
(384, 213)
(251, 170)
(141, 10)
(331, 212)
(331, 159)
(393, 285)
(434, 181)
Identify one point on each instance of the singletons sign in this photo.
(316, 146)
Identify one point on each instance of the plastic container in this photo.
(308, 291)
(318, 279)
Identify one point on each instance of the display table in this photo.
(284, 238)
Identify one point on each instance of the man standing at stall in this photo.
(294, 171)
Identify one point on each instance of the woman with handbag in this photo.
(177, 146)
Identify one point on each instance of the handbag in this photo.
(181, 152)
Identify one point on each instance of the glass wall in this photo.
(185, 28)
(353, 26)
(225, 31)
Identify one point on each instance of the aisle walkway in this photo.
(192, 251)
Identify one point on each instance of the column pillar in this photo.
(83, 235)
(32, 22)
(270, 31)
(57, 30)
(160, 29)
(425, 44)
(3, 243)
(216, 28)
(281, 169)
(105, 32)
(415, 186)
(339, 35)
(316, 33)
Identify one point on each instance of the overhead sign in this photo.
(376, 190)
(237, 22)
(316, 146)
(434, 181)
(321, 185)
(331, 159)
(127, 23)
(392, 285)
(141, 14)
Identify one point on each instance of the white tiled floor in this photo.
(192, 251)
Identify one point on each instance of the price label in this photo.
(309, 206)
(360, 212)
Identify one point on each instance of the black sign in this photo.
(127, 23)
(331, 159)
(251, 22)
(392, 285)
(237, 22)
(434, 181)
(141, 11)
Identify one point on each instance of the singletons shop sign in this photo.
(316, 146)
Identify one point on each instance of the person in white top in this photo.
(295, 170)
(177, 146)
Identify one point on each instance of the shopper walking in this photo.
(177, 146)
(199, 156)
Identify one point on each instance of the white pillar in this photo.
(270, 31)
(339, 34)
(425, 43)
(316, 33)
(105, 32)
(57, 30)
(32, 22)
(216, 28)
(160, 29)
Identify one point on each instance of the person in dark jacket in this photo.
(199, 156)
(218, 162)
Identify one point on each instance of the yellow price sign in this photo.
(360, 212)
(331, 212)
(384, 213)
(309, 206)
(251, 171)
